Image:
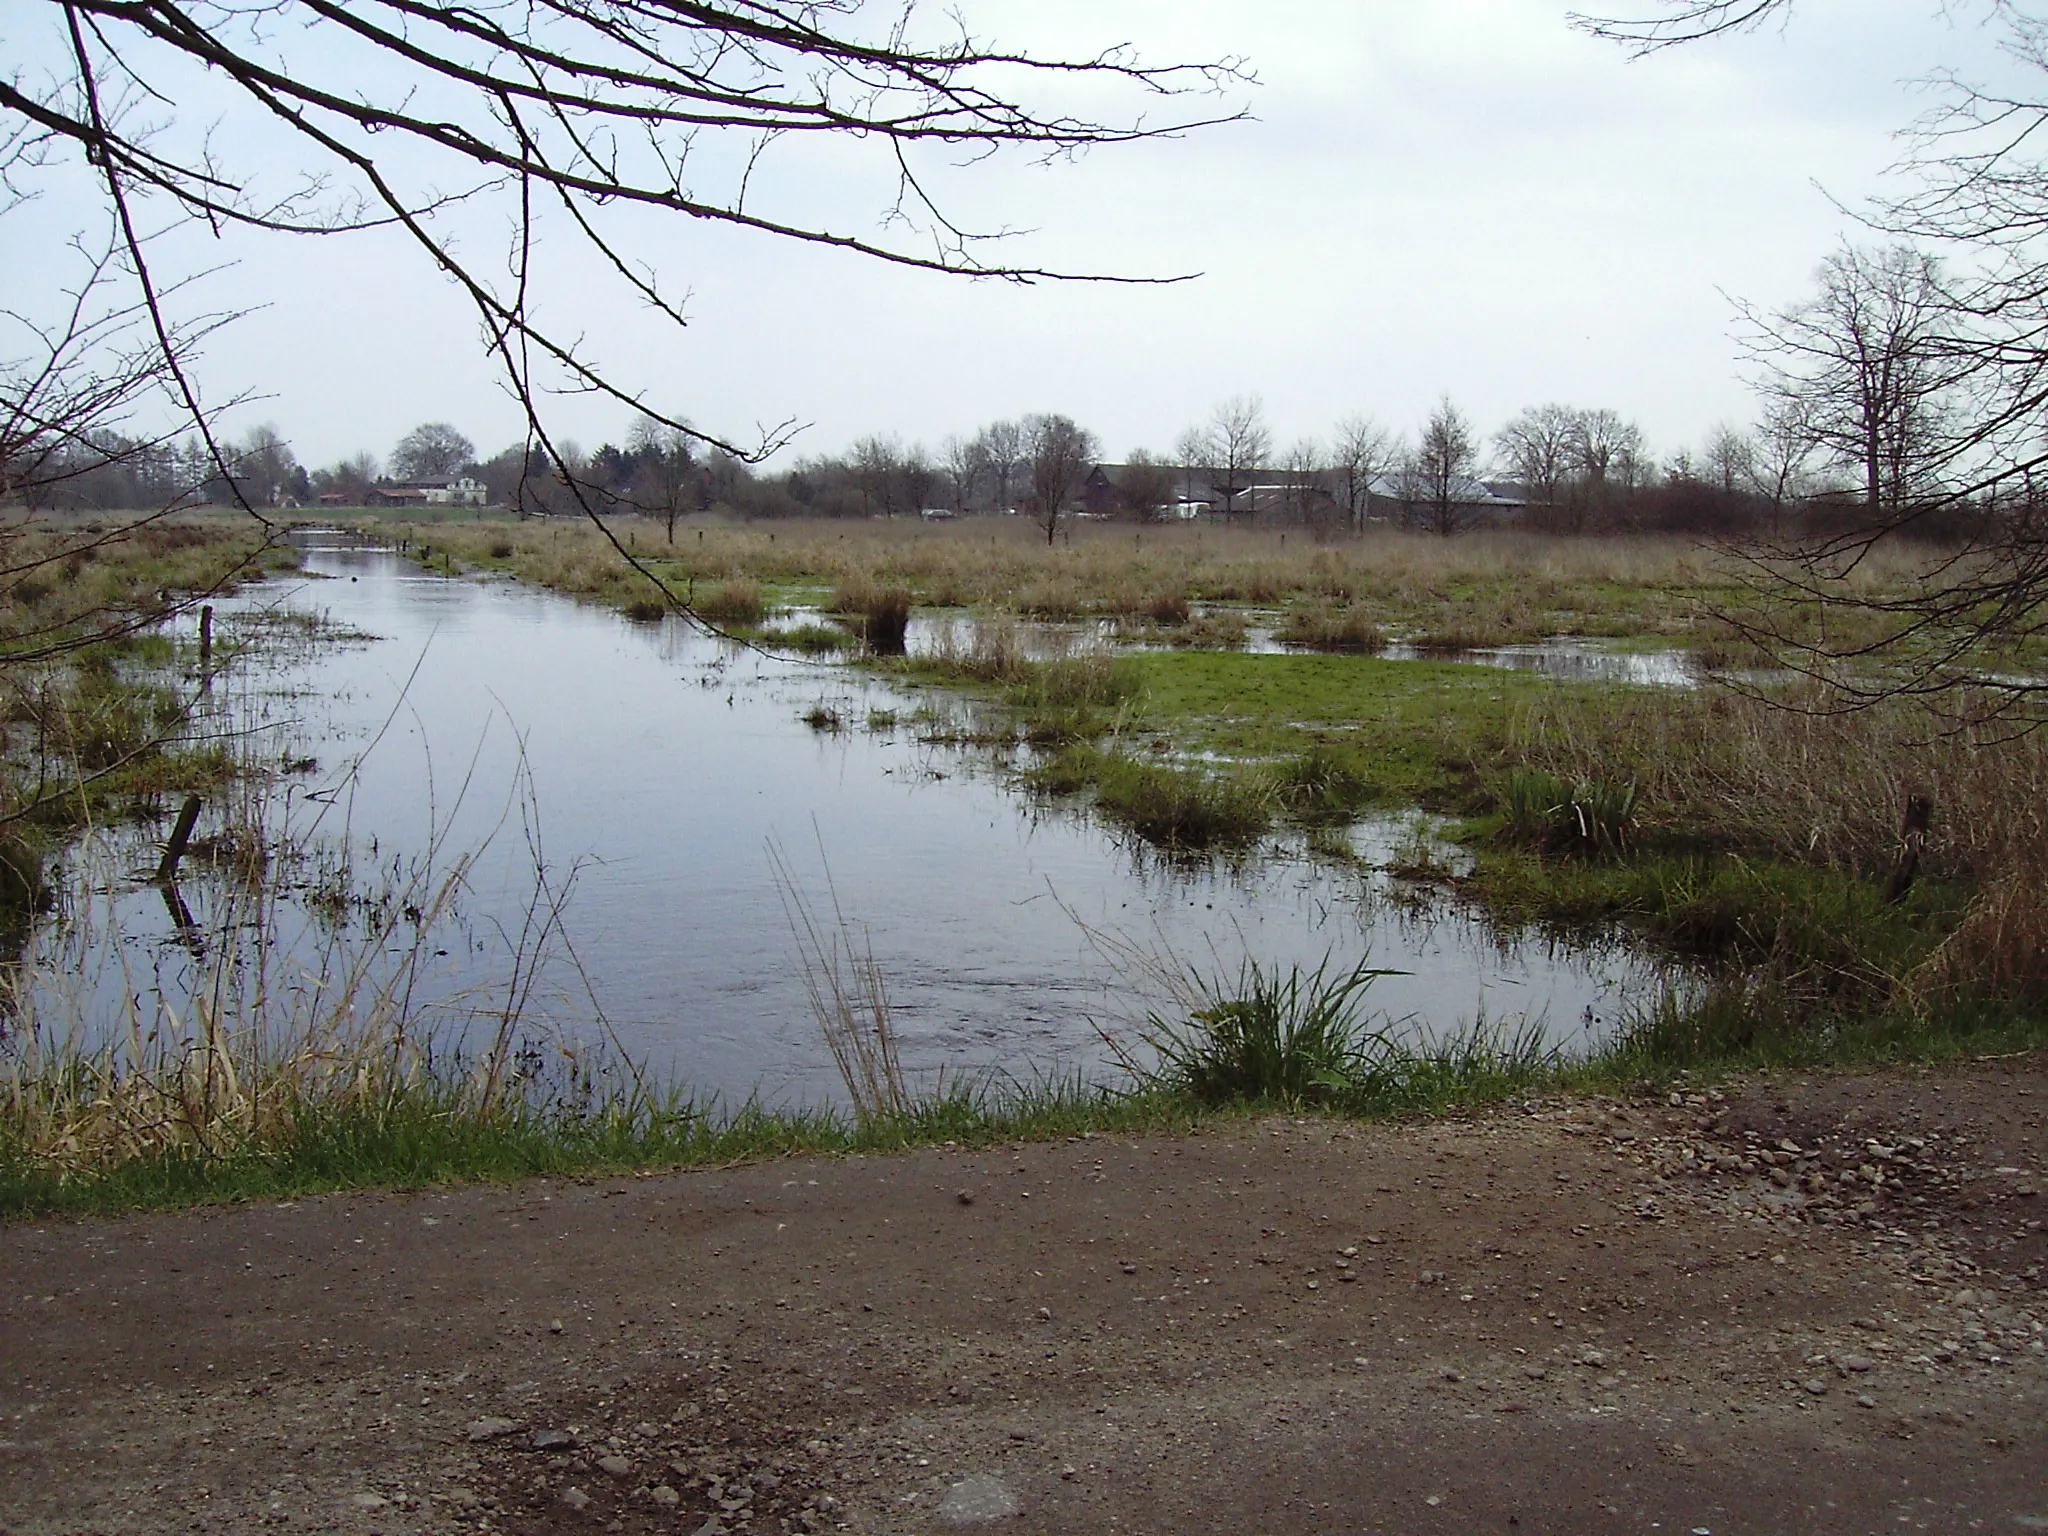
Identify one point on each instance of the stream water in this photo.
(648, 769)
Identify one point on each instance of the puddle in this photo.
(1576, 660)
(646, 768)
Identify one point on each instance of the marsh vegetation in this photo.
(1756, 826)
(1750, 848)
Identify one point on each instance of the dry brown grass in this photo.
(1488, 586)
(1809, 786)
(1792, 779)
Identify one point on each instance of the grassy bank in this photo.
(428, 1132)
(1250, 1045)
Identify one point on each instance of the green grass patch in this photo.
(427, 1133)
(1404, 732)
(1180, 810)
(807, 639)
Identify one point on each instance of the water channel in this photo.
(648, 769)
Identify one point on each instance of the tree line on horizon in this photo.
(1855, 411)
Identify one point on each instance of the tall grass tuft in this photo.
(878, 612)
(1318, 784)
(1301, 1037)
(1351, 630)
(1284, 1037)
(848, 998)
(736, 602)
(1591, 816)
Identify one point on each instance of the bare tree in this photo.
(70, 386)
(1365, 451)
(1779, 452)
(1002, 443)
(1191, 448)
(1871, 364)
(1304, 489)
(876, 464)
(73, 378)
(965, 463)
(1059, 454)
(667, 481)
(1930, 390)
(1683, 21)
(1541, 446)
(567, 119)
(1607, 462)
(266, 468)
(1730, 459)
(916, 475)
(1600, 441)
(1233, 447)
(433, 450)
(1440, 470)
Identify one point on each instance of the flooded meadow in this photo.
(511, 810)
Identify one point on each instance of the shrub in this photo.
(1168, 608)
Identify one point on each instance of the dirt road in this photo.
(1814, 1305)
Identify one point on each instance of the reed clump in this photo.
(1777, 831)
(1319, 784)
(878, 613)
(1796, 777)
(808, 639)
(736, 603)
(1351, 630)
(1589, 816)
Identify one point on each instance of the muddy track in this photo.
(1815, 1304)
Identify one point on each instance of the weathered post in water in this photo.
(181, 835)
(205, 639)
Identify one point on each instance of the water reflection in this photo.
(648, 766)
(1572, 659)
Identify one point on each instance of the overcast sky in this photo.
(1459, 197)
